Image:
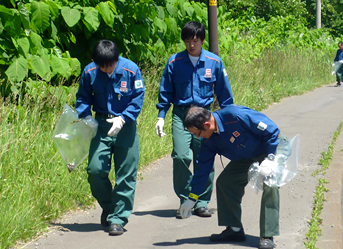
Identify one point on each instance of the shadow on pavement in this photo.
(164, 213)
(251, 241)
(84, 227)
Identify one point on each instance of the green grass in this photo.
(35, 186)
(319, 198)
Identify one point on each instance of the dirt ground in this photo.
(315, 116)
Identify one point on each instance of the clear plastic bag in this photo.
(335, 67)
(280, 171)
(72, 137)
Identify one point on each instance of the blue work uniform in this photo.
(118, 94)
(244, 136)
(183, 85)
(338, 57)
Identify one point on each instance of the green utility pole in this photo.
(213, 26)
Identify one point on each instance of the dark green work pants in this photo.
(230, 190)
(186, 147)
(124, 149)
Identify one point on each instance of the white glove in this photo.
(117, 124)
(267, 166)
(341, 61)
(186, 209)
(159, 127)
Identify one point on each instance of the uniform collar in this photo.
(220, 127)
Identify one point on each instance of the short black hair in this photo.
(105, 53)
(191, 29)
(196, 117)
(340, 43)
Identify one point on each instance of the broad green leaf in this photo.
(17, 70)
(54, 9)
(106, 14)
(160, 24)
(41, 65)
(36, 42)
(70, 16)
(1, 26)
(23, 45)
(160, 12)
(60, 66)
(5, 10)
(75, 66)
(91, 17)
(54, 31)
(188, 8)
(172, 10)
(113, 7)
(24, 15)
(40, 15)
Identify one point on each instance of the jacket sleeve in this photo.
(84, 99)
(222, 87)
(205, 162)
(135, 106)
(166, 92)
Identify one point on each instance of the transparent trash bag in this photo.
(72, 137)
(278, 172)
(335, 67)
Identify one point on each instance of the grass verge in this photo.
(319, 198)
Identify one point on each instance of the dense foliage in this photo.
(51, 40)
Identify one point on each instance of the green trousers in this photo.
(186, 147)
(124, 149)
(230, 190)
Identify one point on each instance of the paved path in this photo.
(315, 116)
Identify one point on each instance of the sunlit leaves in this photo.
(17, 70)
(91, 18)
(70, 16)
(41, 66)
(106, 13)
(40, 15)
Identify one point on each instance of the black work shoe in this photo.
(266, 243)
(337, 84)
(116, 229)
(103, 218)
(228, 235)
(202, 212)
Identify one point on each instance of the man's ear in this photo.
(207, 124)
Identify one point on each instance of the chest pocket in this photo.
(123, 95)
(206, 85)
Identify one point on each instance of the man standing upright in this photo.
(189, 78)
(114, 88)
(339, 58)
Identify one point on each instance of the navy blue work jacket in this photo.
(184, 84)
(121, 94)
(243, 134)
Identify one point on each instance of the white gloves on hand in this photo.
(186, 209)
(159, 127)
(341, 61)
(117, 124)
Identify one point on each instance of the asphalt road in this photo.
(315, 116)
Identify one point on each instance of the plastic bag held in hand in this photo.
(117, 124)
(159, 127)
(72, 137)
(186, 209)
(277, 172)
